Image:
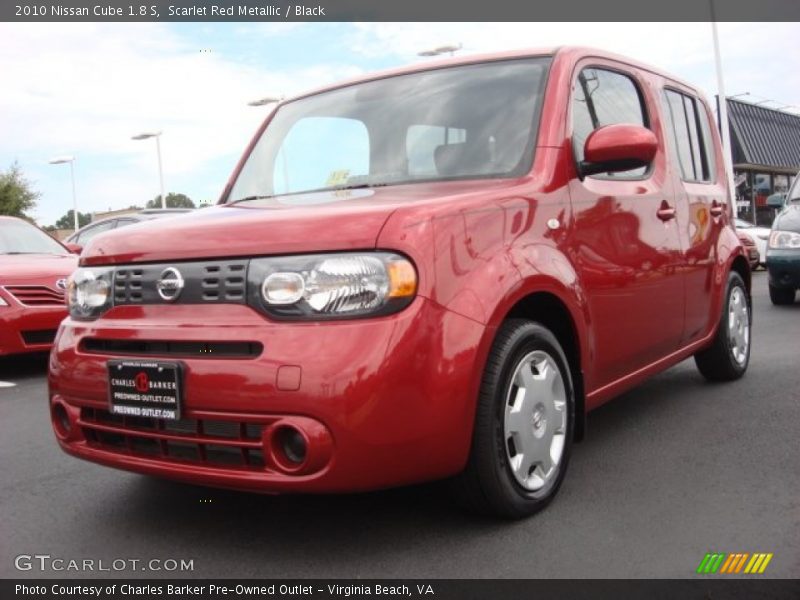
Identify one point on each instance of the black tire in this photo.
(781, 296)
(488, 484)
(718, 361)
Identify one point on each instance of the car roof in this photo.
(573, 52)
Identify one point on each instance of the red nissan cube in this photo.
(427, 273)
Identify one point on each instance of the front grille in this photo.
(39, 336)
(207, 282)
(36, 295)
(168, 348)
(210, 442)
(127, 286)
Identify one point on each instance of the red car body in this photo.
(32, 289)
(630, 274)
(750, 248)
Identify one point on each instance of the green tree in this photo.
(16, 194)
(173, 201)
(68, 220)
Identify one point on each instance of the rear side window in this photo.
(601, 97)
(690, 132)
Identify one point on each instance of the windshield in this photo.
(463, 122)
(794, 191)
(19, 237)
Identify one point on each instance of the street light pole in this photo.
(71, 161)
(723, 116)
(160, 172)
(157, 135)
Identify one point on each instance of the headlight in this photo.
(89, 293)
(330, 286)
(784, 239)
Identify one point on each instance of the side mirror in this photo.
(776, 200)
(74, 248)
(617, 148)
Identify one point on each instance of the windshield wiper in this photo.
(249, 198)
(355, 186)
(359, 186)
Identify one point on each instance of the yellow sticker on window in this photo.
(338, 177)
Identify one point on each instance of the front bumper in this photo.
(28, 328)
(380, 402)
(784, 268)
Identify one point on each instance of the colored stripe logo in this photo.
(734, 563)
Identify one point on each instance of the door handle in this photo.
(666, 212)
(716, 209)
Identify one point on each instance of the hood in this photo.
(36, 269)
(788, 220)
(311, 222)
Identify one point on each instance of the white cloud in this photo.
(85, 89)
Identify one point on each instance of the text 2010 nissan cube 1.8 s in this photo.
(429, 273)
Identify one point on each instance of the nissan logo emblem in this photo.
(61, 284)
(170, 284)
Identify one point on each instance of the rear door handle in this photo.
(716, 209)
(666, 212)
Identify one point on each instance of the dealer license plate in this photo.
(139, 388)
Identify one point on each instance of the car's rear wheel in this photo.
(523, 425)
(781, 296)
(728, 356)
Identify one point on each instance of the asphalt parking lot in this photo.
(668, 472)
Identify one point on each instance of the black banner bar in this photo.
(435, 589)
(406, 10)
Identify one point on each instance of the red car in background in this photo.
(33, 278)
(750, 249)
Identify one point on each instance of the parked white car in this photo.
(760, 236)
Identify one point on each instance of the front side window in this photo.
(473, 121)
(601, 97)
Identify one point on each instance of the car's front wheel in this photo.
(523, 425)
(781, 296)
(728, 356)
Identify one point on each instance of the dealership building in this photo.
(765, 143)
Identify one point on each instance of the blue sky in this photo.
(84, 89)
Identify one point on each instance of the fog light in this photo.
(293, 445)
(61, 420)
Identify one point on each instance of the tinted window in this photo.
(603, 98)
(707, 141)
(690, 132)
